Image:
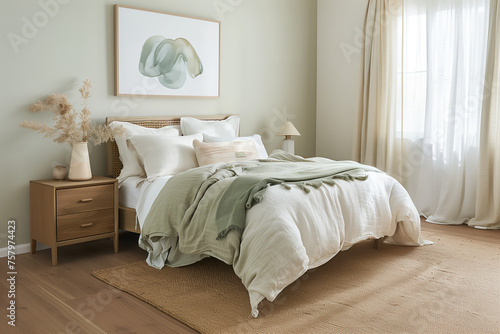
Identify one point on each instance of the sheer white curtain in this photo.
(443, 60)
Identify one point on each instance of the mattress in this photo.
(129, 191)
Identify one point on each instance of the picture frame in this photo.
(164, 54)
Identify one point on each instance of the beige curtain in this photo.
(376, 144)
(488, 192)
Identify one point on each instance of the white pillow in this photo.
(261, 149)
(226, 128)
(164, 155)
(209, 153)
(129, 158)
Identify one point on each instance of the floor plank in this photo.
(6, 328)
(42, 312)
(107, 307)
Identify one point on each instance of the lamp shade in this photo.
(288, 130)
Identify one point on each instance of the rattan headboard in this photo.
(114, 165)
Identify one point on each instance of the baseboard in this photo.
(22, 249)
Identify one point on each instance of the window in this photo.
(442, 55)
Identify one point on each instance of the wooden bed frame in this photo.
(127, 216)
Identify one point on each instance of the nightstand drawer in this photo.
(84, 224)
(84, 199)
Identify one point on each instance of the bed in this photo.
(289, 227)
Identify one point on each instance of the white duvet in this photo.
(290, 232)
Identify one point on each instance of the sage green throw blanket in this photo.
(242, 186)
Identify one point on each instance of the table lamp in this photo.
(288, 130)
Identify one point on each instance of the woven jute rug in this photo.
(452, 286)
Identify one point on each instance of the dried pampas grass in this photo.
(69, 125)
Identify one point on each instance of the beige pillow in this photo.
(209, 153)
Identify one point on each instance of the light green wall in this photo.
(268, 70)
(340, 42)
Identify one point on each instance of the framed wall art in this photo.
(162, 54)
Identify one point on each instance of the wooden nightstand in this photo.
(69, 212)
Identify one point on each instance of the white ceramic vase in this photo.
(79, 167)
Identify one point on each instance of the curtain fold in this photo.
(488, 192)
(376, 124)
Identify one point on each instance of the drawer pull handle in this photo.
(85, 200)
(86, 225)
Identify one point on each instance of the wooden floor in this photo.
(68, 299)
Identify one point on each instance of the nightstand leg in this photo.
(115, 243)
(54, 256)
(33, 246)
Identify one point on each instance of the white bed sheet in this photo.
(149, 190)
(129, 191)
(138, 193)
